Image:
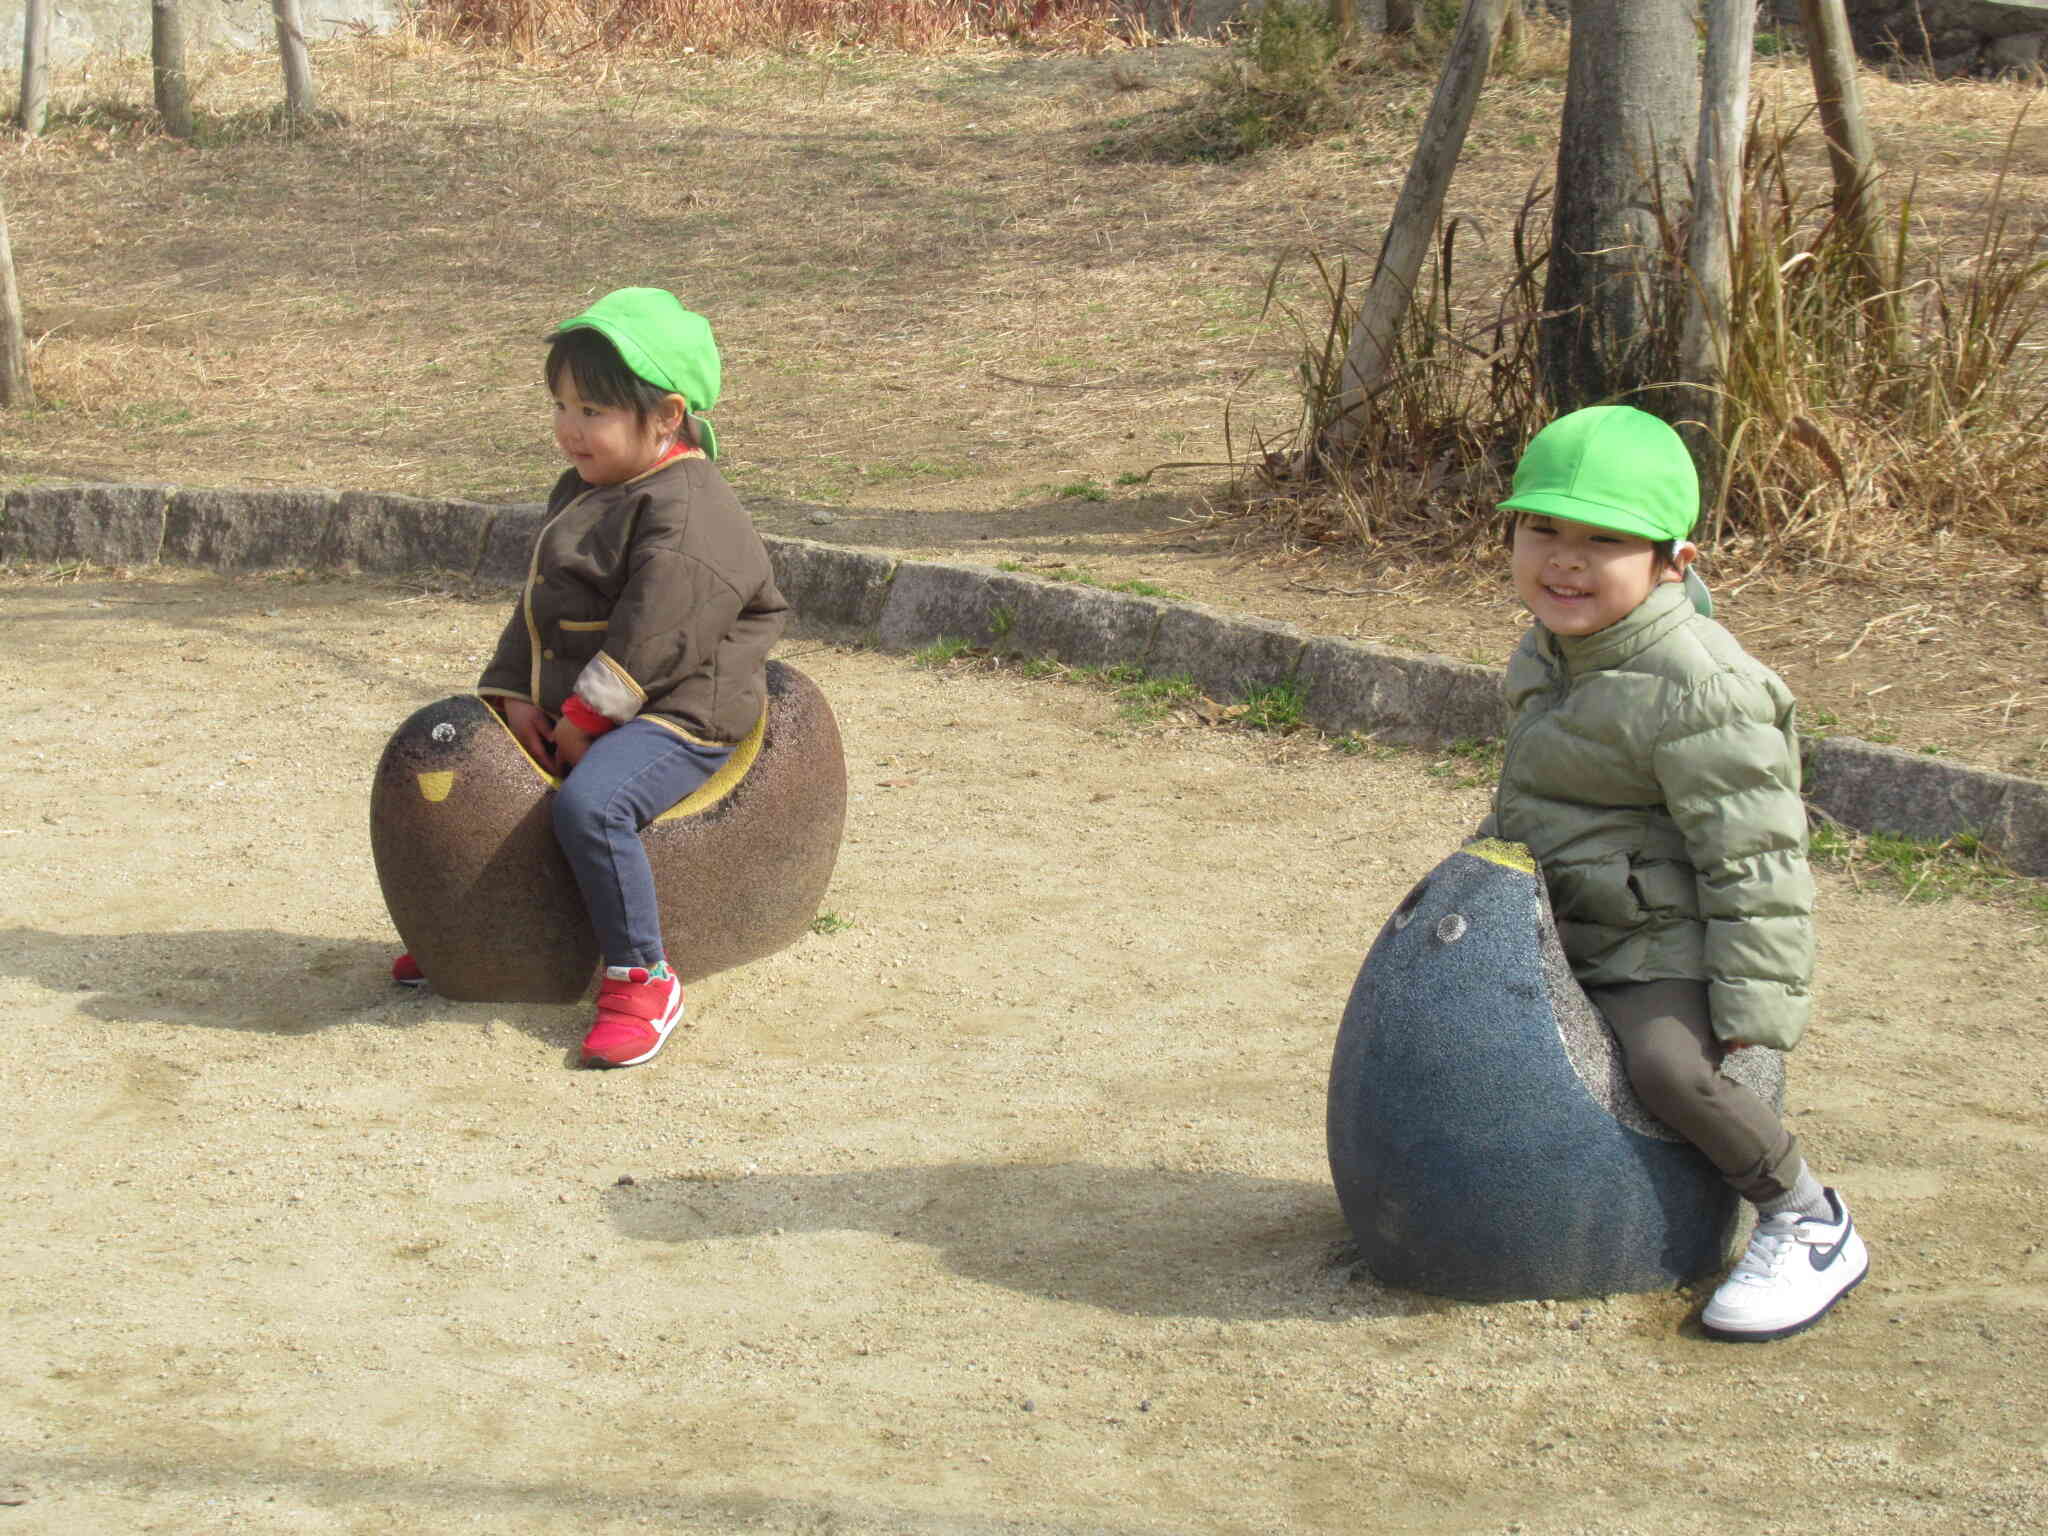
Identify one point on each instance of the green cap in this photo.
(665, 344)
(1611, 466)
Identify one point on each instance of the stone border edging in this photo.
(897, 604)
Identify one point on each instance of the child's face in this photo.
(1577, 579)
(607, 444)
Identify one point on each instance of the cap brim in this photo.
(631, 353)
(1594, 514)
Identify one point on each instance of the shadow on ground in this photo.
(258, 980)
(1141, 1241)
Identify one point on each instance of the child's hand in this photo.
(571, 742)
(530, 724)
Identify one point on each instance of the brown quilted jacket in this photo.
(664, 585)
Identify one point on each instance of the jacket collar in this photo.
(679, 456)
(1665, 609)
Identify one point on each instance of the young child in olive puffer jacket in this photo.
(1652, 768)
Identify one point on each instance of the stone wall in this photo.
(81, 27)
(1955, 37)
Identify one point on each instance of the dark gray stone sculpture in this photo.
(1483, 1137)
(461, 828)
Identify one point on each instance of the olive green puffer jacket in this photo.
(1653, 770)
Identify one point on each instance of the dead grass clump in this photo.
(536, 27)
(1851, 418)
(1434, 452)
(1845, 419)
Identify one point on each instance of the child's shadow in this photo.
(1150, 1242)
(255, 979)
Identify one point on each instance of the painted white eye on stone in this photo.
(1452, 928)
(444, 732)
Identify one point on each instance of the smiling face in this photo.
(1578, 579)
(609, 444)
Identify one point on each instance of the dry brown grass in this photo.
(1840, 433)
(922, 275)
(941, 305)
(535, 29)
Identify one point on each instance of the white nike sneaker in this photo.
(1794, 1269)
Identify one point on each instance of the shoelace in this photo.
(1770, 1245)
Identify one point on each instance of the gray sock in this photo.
(1806, 1196)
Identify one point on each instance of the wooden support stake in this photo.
(1716, 214)
(299, 96)
(35, 67)
(1414, 222)
(167, 67)
(1833, 57)
(14, 382)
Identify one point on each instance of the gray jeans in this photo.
(1666, 1030)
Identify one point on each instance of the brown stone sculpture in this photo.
(461, 828)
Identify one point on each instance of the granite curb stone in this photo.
(1225, 655)
(930, 601)
(1399, 696)
(508, 544)
(1909, 794)
(1080, 625)
(109, 524)
(371, 532)
(247, 530)
(836, 593)
(900, 604)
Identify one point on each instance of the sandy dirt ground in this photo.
(1004, 1209)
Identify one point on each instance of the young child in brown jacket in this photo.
(637, 655)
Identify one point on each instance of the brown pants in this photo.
(1667, 1039)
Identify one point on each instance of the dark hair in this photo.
(601, 375)
(1663, 551)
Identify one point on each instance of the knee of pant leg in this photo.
(1667, 1085)
(578, 815)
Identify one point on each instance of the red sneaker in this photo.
(636, 1009)
(407, 973)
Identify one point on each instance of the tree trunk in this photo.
(1630, 114)
(167, 67)
(1716, 213)
(14, 386)
(299, 97)
(35, 66)
(1833, 57)
(1343, 19)
(1414, 221)
(1400, 16)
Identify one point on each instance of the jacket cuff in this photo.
(607, 689)
(1761, 1012)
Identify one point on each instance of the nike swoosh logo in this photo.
(1820, 1257)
